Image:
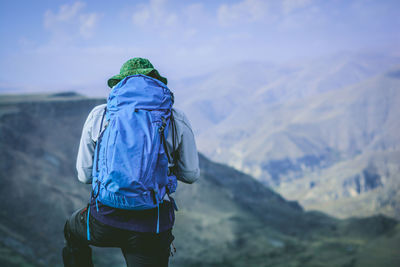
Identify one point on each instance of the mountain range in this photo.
(324, 132)
(228, 218)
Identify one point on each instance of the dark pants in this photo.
(139, 249)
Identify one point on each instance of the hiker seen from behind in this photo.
(133, 150)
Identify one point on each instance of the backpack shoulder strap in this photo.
(174, 134)
(97, 146)
(102, 119)
(172, 160)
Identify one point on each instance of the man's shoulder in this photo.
(180, 117)
(98, 110)
(178, 114)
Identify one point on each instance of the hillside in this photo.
(295, 126)
(226, 219)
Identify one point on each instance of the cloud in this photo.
(87, 24)
(65, 14)
(154, 14)
(291, 5)
(250, 11)
(195, 13)
(177, 21)
(71, 21)
(242, 12)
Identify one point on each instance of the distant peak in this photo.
(65, 94)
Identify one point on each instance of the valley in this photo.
(226, 219)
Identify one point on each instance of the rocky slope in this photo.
(300, 127)
(226, 219)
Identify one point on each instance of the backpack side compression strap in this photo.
(174, 157)
(164, 142)
(99, 139)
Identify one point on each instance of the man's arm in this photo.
(91, 129)
(84, 161)
(187, 169)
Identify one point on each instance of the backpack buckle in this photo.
(164, 123)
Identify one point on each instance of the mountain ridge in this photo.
(295, 124)
(226, 219)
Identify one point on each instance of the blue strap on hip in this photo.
(158, 218)
(87, 224)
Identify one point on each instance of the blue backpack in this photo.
(130, 169)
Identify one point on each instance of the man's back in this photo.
(187, 164)
(144, 236)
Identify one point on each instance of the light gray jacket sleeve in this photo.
(91, 128)
(187, 168)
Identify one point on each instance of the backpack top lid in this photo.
(139, 92)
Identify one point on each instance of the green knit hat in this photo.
(135, 66)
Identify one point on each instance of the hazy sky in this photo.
(77, 45)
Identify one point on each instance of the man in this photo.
(144, 236)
